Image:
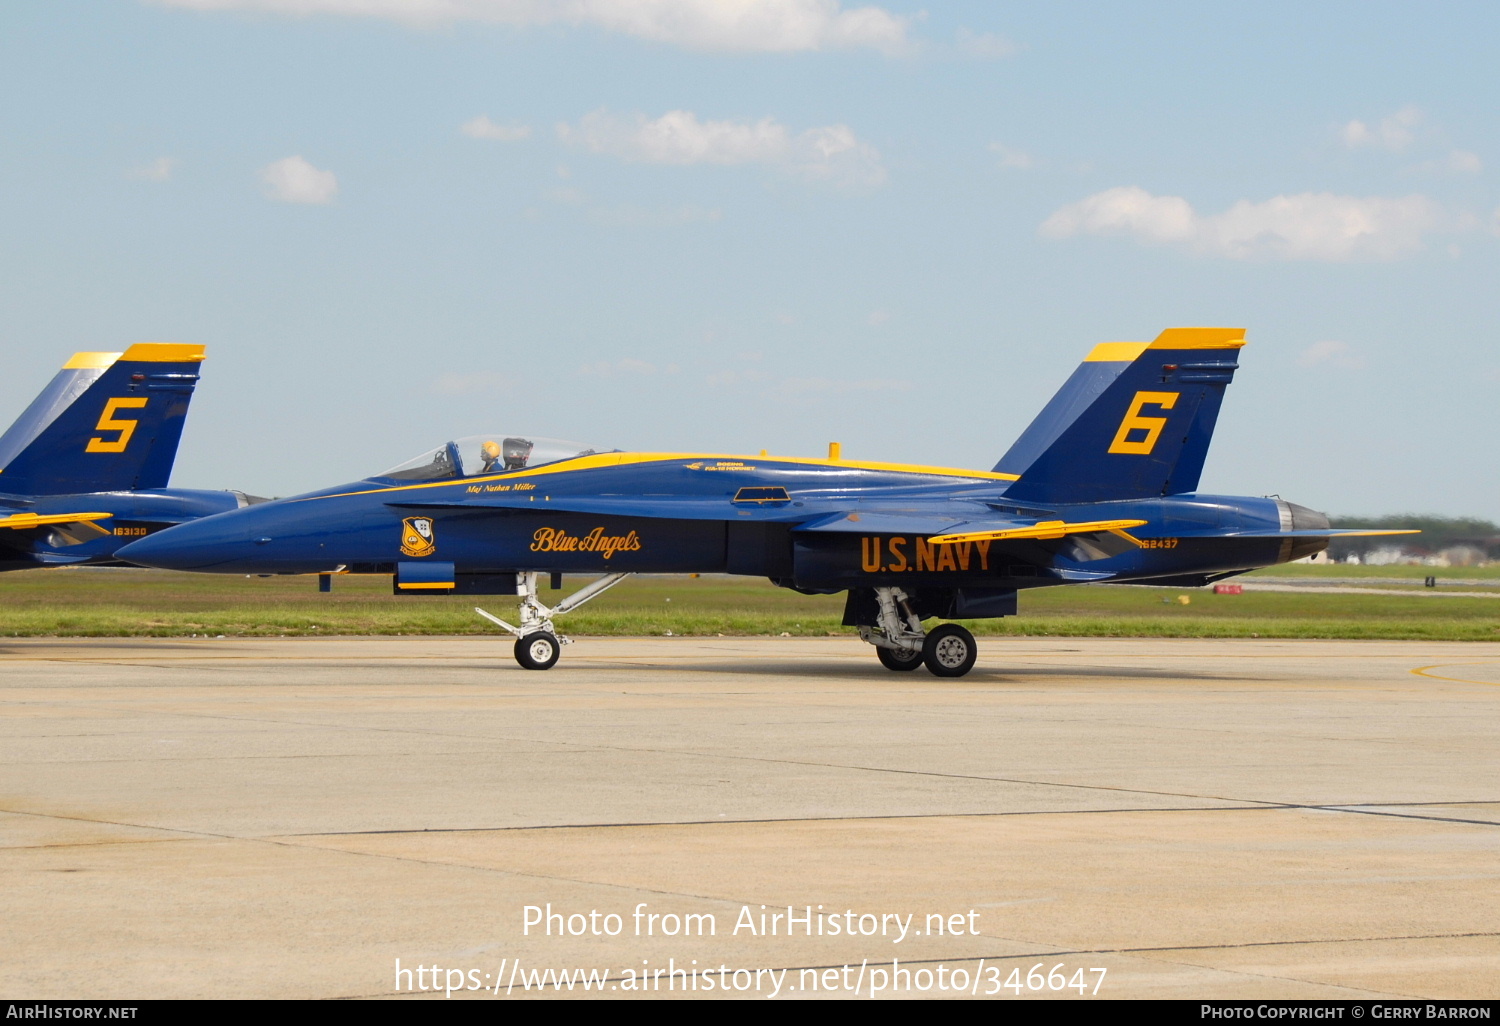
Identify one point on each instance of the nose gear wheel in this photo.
(537, 651)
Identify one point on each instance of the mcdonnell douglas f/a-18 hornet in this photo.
(1100, 488)
(84, 469)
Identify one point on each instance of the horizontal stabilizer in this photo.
(1047, 530)
(1332, 532)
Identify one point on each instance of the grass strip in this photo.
(154, 604)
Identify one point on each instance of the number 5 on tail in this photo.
(125, 427)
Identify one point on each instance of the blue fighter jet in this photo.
(84, 469)
(1100, 488)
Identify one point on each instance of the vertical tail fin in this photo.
(106, 422)
(1099, 369)
(1147, 433)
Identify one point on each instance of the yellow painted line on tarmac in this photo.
(1421, 671)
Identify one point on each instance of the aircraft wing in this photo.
(956, 528)
(1327, 532)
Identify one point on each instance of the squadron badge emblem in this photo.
(416, 537)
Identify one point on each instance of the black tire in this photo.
(949, 651)
(537, 651)
(905, 659)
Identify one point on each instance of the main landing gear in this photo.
(537, 642)
(902, 644)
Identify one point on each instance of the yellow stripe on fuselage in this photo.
(622, 459)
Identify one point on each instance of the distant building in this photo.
(1462, 555)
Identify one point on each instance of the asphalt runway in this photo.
(298, 817)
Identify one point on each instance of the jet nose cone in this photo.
(191, 546)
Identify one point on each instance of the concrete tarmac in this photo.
(317, 817)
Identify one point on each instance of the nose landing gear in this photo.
(538, 644)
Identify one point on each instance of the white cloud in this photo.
(985, 45)
(159, 170)
(294, 180)
(678, 137)
(831, 153)
(1307, 226)
(1464, 162)
(1394, 133)
(743, 25)
(1408, 128)
(1127, 210)
(1012, 158)
(483, 128)
(1332, 354)
(1457, 162)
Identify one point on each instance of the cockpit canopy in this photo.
(486, 454)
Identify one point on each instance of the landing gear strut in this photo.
(537, 642)
(902, 644)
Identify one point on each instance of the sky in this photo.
(734, 225)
